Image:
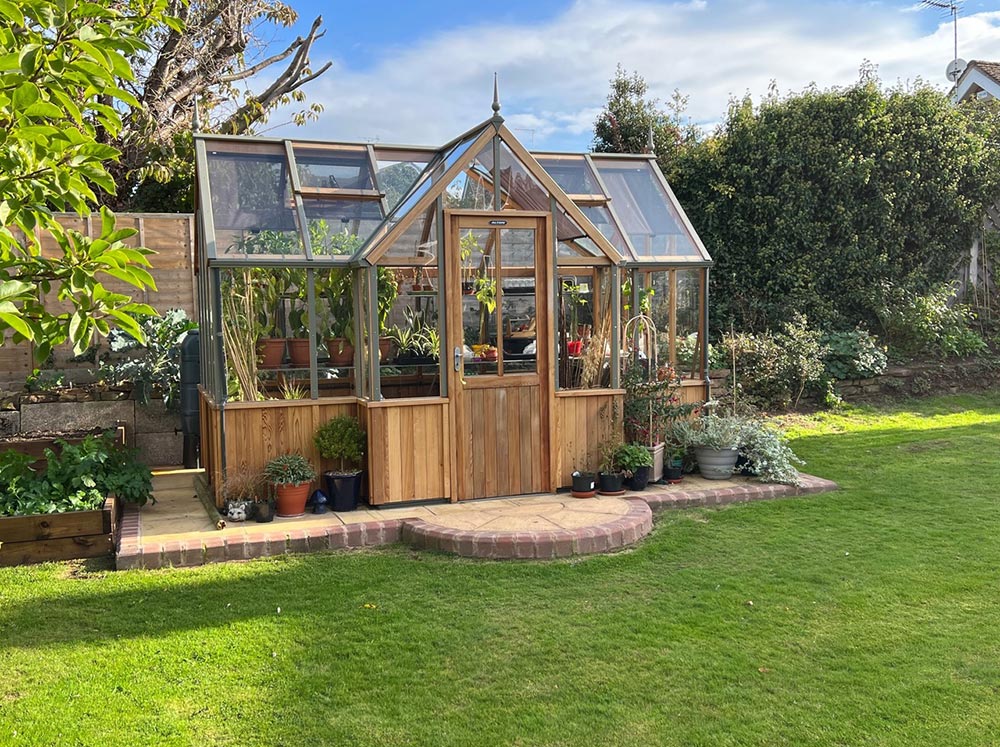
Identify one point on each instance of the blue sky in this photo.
(421, 72)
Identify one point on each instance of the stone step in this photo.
(175, 479)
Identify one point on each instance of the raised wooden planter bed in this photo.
(34, 445)
(67, 536)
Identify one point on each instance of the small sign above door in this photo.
(498, 222)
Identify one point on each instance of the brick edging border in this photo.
(263, 540)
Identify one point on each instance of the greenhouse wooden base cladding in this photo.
(542, 527)
(67, 536)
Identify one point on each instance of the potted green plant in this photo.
(343, 439)
(241, 492)
(716, 442)
(292, 475)
(768, 456)
(673, 464)
(271, 287)
(635, 463)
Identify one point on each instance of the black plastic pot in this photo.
(673, 474)
(344, 489)
(743, 466)
(639, 479)
(609, 483)
(264, 511)
(584, 484)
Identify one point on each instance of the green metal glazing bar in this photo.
(704, 342)
(300, 210)
(362, 384)
(497, 196)
(553, 326)
(373, 361)
(311, 310)
(373, 165)
(444, 354)
(616, 323)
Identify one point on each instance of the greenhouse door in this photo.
(499, 351)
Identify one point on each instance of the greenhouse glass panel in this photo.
(409, 332)
(398, 171)
(252, 205)
(600, 216)
(645, 210)
(473, 188)
(333, 168)
(419, 240)
(572, 173)
(338, 228)
(688, 343)
(583, 328)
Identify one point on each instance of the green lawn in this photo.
(864, 617)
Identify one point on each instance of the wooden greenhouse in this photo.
(468, 304)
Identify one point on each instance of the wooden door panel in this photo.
(501, 424)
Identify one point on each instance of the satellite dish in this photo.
(955, 69)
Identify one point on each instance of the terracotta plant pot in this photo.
(341, 352)
(298, 351)
(271, 351)
(384, 348)
(292, 499)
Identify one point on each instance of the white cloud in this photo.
(554, 76)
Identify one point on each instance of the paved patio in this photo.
(178, 531)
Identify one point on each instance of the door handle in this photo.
(458, 358)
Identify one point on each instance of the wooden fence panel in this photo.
(171, 236)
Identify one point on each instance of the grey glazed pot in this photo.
(716, 464)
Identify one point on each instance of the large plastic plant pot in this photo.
(344, 489)
(292, 499)
(639, 479)
(584, 484)
(610, 483)
(716, 464)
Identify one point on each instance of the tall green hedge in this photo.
(812, 202)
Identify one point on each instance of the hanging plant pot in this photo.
(639, 479)
(298, 351)
(341, 352)
(468, 287)
(584, 485)
(292, 499)
(344, 489)
(271, 351)
(610, 483)
(716, 464)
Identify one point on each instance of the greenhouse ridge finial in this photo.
(650, 143)
(496, 98)
(196, 117)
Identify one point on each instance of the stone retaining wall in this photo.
(917, 379)
(151, 429)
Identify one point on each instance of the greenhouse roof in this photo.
(362, 202)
